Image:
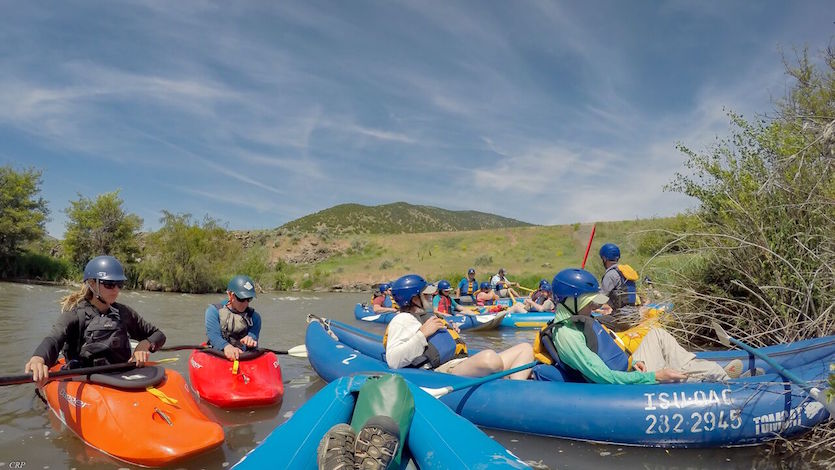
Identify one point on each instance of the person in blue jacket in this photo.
(467, 287)
(233, 326)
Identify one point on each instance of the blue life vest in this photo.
(444, 345)
(600, 340)
(627, 291)
(387, 302)
(471, 288)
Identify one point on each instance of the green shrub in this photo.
(483, 260)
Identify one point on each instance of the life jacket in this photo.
(472, 287)
(539, 297)
(444, 304)
(444, 345)
(482, 302)
(387, 301)
(598, 338)
(104, 338)
(626, 292)
(234, 326)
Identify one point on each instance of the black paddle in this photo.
(296, 351)
(27, 378)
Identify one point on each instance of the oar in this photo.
(439, 392)
(815, 393)
(295, 351)
(27, 378)
(588, 247)
(526, 289)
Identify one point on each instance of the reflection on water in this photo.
(30, 433)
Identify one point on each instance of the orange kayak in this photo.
(254, 380)
(124, 416)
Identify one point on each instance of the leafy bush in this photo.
(188, 256)
(22, 213)
(100, 227)
(483, 260)
(763, 251)
(39, 266)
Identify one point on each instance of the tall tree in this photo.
(100, 226)
(189, 256)
(22, 212)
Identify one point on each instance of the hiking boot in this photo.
(734, 369)
(377, 443)
(336, 449)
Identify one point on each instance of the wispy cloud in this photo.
(549, 112)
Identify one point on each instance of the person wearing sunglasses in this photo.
(233, 326)
(93, 329)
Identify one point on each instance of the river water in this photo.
(29, 433)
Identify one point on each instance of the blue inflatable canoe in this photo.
(435, 437)
(708, 414)
(481, 322)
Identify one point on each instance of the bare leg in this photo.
(483, 363)
(516, 356)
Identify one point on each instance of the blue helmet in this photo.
(242, 286)
(484, 285)
(384, 287)
(406, 287)
(444, 285)
(105, 268)
(573, 283)
(544, 285)
(610, 252)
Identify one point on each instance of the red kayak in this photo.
(254, 380)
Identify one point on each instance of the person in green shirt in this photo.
(659, 358)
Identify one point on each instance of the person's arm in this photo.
(150, 337)
(377, 305)
(571, 346)
(462, 284)
(405, 341)
(609, 282)
(213, 328)
(255, 329)
(51, 346)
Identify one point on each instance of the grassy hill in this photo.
(398, 217)
(356, 260)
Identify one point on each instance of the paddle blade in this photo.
(720, 333)
(437, 392)
(298, 351)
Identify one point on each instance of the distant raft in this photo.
(437, 437)
(480, 322)
(707, 414)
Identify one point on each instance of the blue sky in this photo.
(256, 113)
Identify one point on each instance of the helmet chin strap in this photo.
(97, 292)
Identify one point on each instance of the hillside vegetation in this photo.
(321, 260)
(398, 217)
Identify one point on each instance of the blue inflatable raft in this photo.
(438, 438)
(480, 322)
(707, 414)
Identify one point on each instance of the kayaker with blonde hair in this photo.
(94, 329)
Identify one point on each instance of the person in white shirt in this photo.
(415, 338)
